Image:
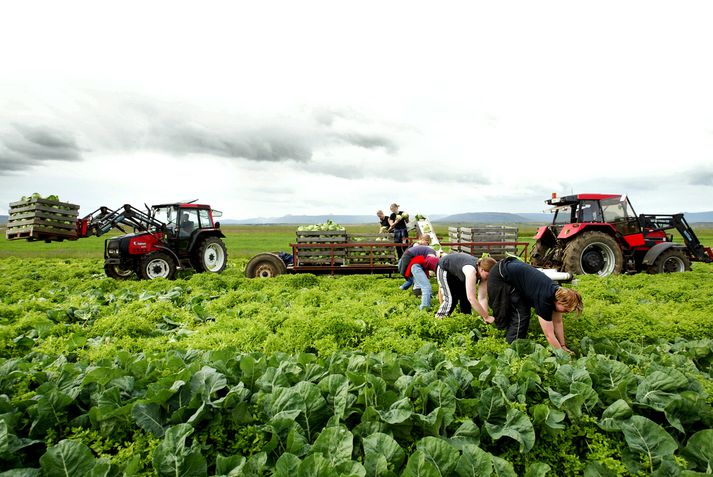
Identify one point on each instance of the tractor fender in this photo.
(202, 234)
(170, 252)
(540, 232)
(657, 250)
(570, 230)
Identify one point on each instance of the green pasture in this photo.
(242, 241)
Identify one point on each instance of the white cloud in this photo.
(279, 107)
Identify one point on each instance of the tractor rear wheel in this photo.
(157, 265)
(117, 272)
(265, 265)
(539, 252)
(670, 261)
(211, 256)
(593, 253)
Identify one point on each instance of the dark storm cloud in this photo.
(383, 170)
(131, 124)
(368, 141)
(22, 146)
(267, 144)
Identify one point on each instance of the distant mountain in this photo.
(495, 218)
(695, 217)
(470, 217)
(304, 219)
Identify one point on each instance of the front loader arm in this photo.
(104, 219)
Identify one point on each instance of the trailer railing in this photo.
(336, 257)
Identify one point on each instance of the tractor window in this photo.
(189, 222)
(205, 219)
(168, 216)
(619, 213)
(589, 211)
(564, 215)
(615, 210)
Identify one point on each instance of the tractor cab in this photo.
(182, 220)
(614, 210)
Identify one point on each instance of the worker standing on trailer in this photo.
(397, 224)
(383, 222)
(463, 278)
(515, 286)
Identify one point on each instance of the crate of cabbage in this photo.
(327, 248)
(38, 218)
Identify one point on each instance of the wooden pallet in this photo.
(312, 250)
(42, 219)
(470, 239)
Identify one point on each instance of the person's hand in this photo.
(489, 320)
(567, 350)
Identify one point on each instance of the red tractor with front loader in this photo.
(165, 237)
(600, 234)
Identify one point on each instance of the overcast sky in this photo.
(272, 108)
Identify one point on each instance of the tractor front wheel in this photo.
(265, 265)
(117, 272)
(211, 256)
(593, 253)
(157, 265)
(670, 261)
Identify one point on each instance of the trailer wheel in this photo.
(593, 253)
(117, 272)
(670, 261)
(211, 256)
(157, 265)
(265, 265)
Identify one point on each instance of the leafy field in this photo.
(308, 375)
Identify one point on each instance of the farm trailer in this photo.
(338, 252)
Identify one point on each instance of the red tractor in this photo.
(166, 238)
(601, 234)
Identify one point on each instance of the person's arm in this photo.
(554, 331)
(470, 290)
(549, 331)
(558, 328)
(483, 297)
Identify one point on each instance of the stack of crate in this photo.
(454, 237)
(321, 247)
(484, 233)
(377, 249)
(42, 219)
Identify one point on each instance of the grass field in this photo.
(242, 241)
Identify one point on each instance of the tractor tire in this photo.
(210, 256)
(117, 272)
(593, 253)
(265, 265)
(157, 265)
(539, 252)
(670, 261)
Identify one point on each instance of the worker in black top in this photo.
(515, 286)
(383, 221)
(459, 276)
(397, 225)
